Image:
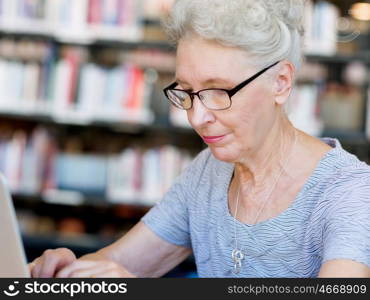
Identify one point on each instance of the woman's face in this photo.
(236, 132)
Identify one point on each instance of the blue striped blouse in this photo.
(329, 219)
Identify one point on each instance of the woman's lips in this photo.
(212, 139)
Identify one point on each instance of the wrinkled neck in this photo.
(265, 163)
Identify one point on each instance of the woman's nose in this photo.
(199, 114)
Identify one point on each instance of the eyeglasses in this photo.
(214, 99)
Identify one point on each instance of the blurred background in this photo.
(88, 143)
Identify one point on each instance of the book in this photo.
(4, 101)
(63, 72)
(135, 94)
(14, 159)
(94, 12)
(14, 83)
(66, 85)
(321, 19)
(367, 128)
(341, 108)
(70, 20)
(110, 12)
(124, 176)
(151, 177)
(30, 91)
(33, 164)
(85, 173)
(303, 109)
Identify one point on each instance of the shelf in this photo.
(111, 41)
(116, 126)
(82, 242)
(73, 117)
(162, 45)
(81, 39)
(68, 198)
(94, 216)
(75, 120)
(83, 34)
(340, 58)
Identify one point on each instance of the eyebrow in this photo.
(208, 81)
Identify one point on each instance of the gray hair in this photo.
(268, 30)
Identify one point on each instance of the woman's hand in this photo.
(62, 263)
(51, 262)
(93, 269)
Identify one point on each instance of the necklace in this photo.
(237, 254)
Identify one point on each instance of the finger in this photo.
(54, 260)
(76, 265)
(36, 267)
(97, 269)
(113, 273)
(107, 274)
(111, 269)
(31, 266)
(91, 272)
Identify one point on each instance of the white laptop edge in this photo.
(13, 263)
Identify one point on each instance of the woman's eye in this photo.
(185, 88)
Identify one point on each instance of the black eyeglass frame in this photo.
(230, 92)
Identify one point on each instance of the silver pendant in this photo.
(237, 257)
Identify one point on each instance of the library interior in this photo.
(88, 141)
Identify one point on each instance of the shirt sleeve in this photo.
(169, 218)
(346, 232)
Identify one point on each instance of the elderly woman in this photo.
(264, 199)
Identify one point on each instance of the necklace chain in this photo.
(237, 254)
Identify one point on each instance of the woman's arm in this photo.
(344, 268)
(143, 253)
(139, 253)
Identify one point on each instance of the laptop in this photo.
(13, 261)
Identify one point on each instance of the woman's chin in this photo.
(222, 154)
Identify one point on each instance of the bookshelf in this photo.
(340, 59)
(90, 78)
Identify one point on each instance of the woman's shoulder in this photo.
(350, 186)
(344, 177)
(349, 171)
(341, 166)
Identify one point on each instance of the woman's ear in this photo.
(283, 82)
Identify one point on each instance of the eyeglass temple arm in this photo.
(171, 86)
(244, 83)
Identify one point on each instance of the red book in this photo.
(51, 152)
(135, 88)
(74, 60)
(94, 12)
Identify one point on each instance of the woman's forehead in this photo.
(208, 62)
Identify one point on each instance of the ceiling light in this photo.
(360, 11)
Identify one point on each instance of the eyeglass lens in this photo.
(211, 98)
